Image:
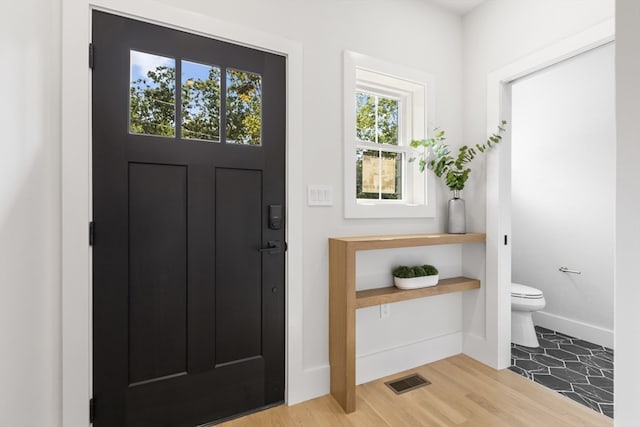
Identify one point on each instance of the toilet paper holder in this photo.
(567, 270)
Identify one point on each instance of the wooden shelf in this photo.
(371, 297)
(364, 243)
(344, 300)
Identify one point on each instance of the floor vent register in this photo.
(408, 383)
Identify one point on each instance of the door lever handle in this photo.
(274, 247)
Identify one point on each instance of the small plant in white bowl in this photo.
(416, 277)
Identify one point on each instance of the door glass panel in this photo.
(244, 108)
(200, 101)
(152, 107)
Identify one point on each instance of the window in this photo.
(153, 100)
(385, 107)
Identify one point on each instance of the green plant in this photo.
(436, 156)
(405, 272)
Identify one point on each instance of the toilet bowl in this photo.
(524, 301)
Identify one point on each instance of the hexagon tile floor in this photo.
(575, 368)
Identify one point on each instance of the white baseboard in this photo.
(574, 328)
(376, 365)
(314, 382)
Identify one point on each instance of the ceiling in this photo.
(460, 7)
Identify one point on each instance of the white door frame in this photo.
(499, 174)
(76, 185)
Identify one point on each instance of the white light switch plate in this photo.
(319, 195)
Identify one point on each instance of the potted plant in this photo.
(416, 277)
(436, 156)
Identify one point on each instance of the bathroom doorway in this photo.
(563, 222)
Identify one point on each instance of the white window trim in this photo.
(420, 184)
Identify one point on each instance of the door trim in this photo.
(76, 186)
(495, 349)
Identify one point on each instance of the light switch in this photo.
(319, 195)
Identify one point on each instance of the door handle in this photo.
(274, 247)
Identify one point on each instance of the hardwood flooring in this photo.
(463, 392)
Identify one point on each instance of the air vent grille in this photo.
(408, 383)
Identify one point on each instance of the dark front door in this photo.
(188, 187)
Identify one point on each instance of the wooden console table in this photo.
(344, 300)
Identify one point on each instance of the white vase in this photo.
(457, 223)
(416, 282)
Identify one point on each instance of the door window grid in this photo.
(152, 101)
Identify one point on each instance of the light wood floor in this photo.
(463, 392)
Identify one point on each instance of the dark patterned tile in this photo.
(578, 369)
(542, 330)
(532, 367)
(545, 343)
(575, 349)
(546, 360)
(519, 371)
(587, 344)
(596, 362)
(603, 355)
(557, 338)
(516, 353)
(583, 369)
(593, 392)
(552, 382)
(607, 409)
(569, 375)
(561, 354)
(602, 382)
(591, 403)
(532, 350)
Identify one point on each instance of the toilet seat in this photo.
(526, 292)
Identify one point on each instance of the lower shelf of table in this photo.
(371, 297)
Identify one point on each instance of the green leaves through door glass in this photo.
(152, 94)
(200, 101)
(244, 108)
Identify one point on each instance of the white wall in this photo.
(563, 192)
(423, 37)
(496, 35)
(627, 317)
(30, 214)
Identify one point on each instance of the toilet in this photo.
(524, 301)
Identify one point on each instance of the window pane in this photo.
(376, 119)
(387, 121)
(365, 117)
(391, 175)
(368, 174)
(244, 108)
(200, 101)
(378, 175)
(152, 107)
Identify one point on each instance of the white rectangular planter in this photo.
(416, 282)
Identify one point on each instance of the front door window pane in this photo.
(152, 107)
(244, 108)
(200, 101)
